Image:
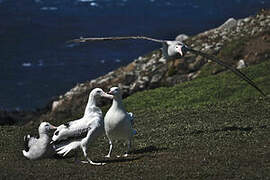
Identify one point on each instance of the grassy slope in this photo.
(214, 127)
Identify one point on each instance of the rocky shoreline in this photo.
(240, 43)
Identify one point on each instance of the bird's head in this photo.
(116, 92)
(174, 49)
(45, 127)
(98, 92)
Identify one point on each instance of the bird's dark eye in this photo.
(56, 133)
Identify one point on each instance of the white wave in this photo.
(94, 4)
(118, 60)
(86, 0)
(26, 64)
(49, 8)
(71, 45)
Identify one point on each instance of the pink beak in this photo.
(108, 95)
(180, 51)
(53, 127)
(110, 92)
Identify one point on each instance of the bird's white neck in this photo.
(117, 103)
(90, 104)
(43, 135)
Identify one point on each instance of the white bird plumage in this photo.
(91, 123)
(36, 148)
(118, 122)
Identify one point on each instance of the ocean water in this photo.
(36, 64)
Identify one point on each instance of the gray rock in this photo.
(156, 78)
(181, 37)
(262, 23)
(219, 44)
(246, 19)
(229, 24)
(240, 23)
(129, 78)
(145, 78)
(241, 64)
(262, 17)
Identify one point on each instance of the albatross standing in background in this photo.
(91, 124)
(118, 122)
(36, 148)
(172, 50)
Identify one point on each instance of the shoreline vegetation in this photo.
(195, 120)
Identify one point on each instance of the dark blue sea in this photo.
(36, 64)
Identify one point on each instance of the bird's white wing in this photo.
(66, 148)
(31, 141)
(236, 71)
(81, 39)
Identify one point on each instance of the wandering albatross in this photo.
(171, 50)
(118, 122)
(82, 131)
(36, 148)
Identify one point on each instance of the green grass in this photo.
(214, 127)
(224, 87)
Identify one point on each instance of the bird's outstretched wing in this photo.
(81, 39)
(236, 71)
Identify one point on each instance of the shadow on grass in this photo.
(122, 159)
(227, 129)
(148, 149)
(72, 159)
(142, 151)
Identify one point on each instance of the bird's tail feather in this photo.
(25, 153)
(66, 148)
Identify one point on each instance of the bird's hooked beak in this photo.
(107, 95)
(180, 51)
(52, 127)
(110, 92)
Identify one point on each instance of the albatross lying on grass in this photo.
(87, 129)
(174, 49)
(36, 148)
(117, 122)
